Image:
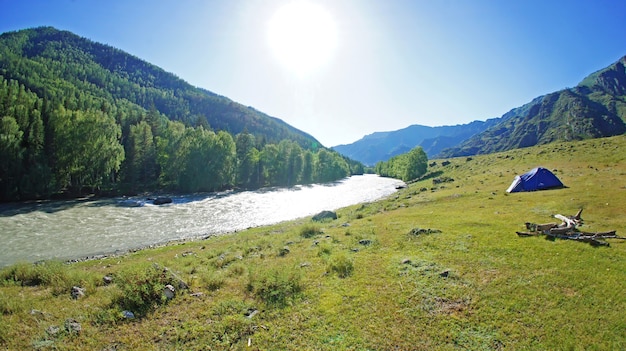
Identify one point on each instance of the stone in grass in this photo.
(325, 215)
(420, 231)
(72, 326)
(284, 251)
(169, 291)
(365, 242)
(250, 312)
(53, 330)
(77, 292)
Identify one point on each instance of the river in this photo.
(82, 228)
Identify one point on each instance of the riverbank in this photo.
(74, 229)
(433, 266)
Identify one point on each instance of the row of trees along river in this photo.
(82, 144)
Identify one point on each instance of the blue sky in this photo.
(391, 63)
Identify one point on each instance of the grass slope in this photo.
(369, 280)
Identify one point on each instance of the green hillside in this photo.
(60, 66)
(436, 266)
(79, 117)
(595, 108)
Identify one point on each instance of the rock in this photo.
(169, 291)
(251, 312)
(37, 312)
(162, 201)
(445, 274)
(305, 264)
(107, 280)
(365, 242)
(406, 261)
(197, 294)
(53, 330)
(419, 231)
(77, 292)
(130, 203)
(128, 314)
(72, 326)
(284, 251)
(325, 215)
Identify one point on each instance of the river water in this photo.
(82, 228)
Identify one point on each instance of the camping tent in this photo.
(536, 179)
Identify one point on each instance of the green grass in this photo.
(468, 283)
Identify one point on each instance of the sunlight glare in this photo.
(302, 36)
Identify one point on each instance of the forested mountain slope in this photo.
(62, 66)
(78, 116)
(594, 108)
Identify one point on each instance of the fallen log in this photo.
(568, 230)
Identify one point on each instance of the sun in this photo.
(302, 36)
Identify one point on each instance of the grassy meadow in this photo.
(432, 267)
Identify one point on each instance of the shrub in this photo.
(236, 270)
(324, 250)
(213, 280)
(340, 264)
(275, 287)
(10, 304)
(142, 288)
(25, 274)
(309, 231)
(54, 274)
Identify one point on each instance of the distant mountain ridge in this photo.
(381, 146)
(594, 108)
(110, 73)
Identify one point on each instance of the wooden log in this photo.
(525, 234)
(567, 222)
(562, 231)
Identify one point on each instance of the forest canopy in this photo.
(408, 166)
(80, 117)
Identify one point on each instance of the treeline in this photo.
(408, 166)
(87, 144)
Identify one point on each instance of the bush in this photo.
(54, 274)
(340, 264)
(213, 280)
(142, 288)
(324, 250)
(309, 231)
(26, 274)
(277, 286)
(10, 304)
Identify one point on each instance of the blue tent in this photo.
(536, 179)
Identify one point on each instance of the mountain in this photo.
(57, 64)
(79, 117)
(595, 108)
(381, 146)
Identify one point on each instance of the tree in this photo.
(11, 153)
(140, 164)
(247, 158)
(408, 166)
(330, 166)
(87, 148)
